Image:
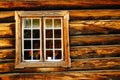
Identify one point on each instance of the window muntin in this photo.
(31, 39)
(53, 48)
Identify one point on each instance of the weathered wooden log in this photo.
(94, 27)
(8, 16)
(76, 64)
(7, 43)
(7, 54)
(7, 30)
(94, 40)
(77, 52)
(54, 4)
(81, 52)
(71, 75)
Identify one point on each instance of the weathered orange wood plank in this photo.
(95, 40)
(7, 43)
(76, 64)
(80, 52)
(94, 27)
(7, 54)
(62, 4)
(7, 30)
(71, 75)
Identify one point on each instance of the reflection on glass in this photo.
(27, 33)
(36, 44)
(27, 23)
(49, 33)
(36, 33)
(57, 23)
(36, 23)
(49, 44)
(27, 55)
(57, 43)
(27, 44)
(48, 23)
(58, 54)
(57, 33)
(36, 54)
(49, 54)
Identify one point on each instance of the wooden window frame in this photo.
(35, 14)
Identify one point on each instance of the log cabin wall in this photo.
(94, 40)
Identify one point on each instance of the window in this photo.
(42, 39)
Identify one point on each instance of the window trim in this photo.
(35, 14)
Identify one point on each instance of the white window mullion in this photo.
(32, 38)
(53, 39)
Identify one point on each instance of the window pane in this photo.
(49, 44)
(57, 33)
(36, 33)
(48, 23)
(36, 23)
(49, 55)
(27, 33)
(27, 44)
(58, 54)
(49, 33)
(36, 44)
(36, 54)
(27, 55)
(27, 23)
(57, 23)
(57, 43)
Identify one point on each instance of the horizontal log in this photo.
(7, 54)
(54, 4)
(7, 30)
(7, 43)
(94, 40)
(72, 75)
(78, 27)
(76, 64)
(93, 14)
(77, 52)
(8, 16)
(81, 52)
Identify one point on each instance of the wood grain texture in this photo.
(77, 52)
(94, 40)
(7, 43)
(7, 30)
(106, 14)
(71, 75)
(94, 27)
(7, 54)
(80, 52)
(76, 64)
(62, 4)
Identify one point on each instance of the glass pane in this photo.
(36, 44)
(57, 43)
(49, 33)
(36, 33)
(49, 44)
(57, 23)
(27, 55)
(27, 44)
(36, 23)
(36, 55)
(49, 55)
(27, 33)
(48, 23)
(27, 23)
(58, 54)
(57, 33)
